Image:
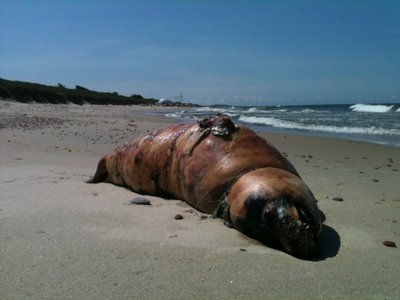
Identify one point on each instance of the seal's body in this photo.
(218, 167)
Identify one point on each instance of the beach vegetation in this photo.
(21, 91)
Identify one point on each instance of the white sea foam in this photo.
(307, 110)
(173, 115)
(377, 108)
(215, 109)
(264, 111)
(277, 123)
(206, 108)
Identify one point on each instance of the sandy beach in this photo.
(61, 238)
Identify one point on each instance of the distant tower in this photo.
(179, 98)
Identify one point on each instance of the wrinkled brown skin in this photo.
(224, 169)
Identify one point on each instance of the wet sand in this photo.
(61, 238)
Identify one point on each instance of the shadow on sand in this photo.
(328, 244)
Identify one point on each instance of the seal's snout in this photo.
(292, 227)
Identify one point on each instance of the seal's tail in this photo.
(101, 172)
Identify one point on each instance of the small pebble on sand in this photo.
(178, 217)
(339, 199)
(139, 201)
(389, 244)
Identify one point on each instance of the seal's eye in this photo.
(268, 215)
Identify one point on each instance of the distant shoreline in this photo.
(26, 92)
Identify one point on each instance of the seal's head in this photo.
(275, 207)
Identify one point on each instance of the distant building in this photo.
(165, 102)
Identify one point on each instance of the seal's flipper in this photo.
(222, 211)
(101, 172)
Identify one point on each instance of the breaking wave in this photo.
(370, 108)
(277, 123)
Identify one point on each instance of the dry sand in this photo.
(63, 239)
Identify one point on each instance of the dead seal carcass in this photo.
(224, 169)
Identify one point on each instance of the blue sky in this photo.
(233, 52)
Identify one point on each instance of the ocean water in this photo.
(376, 123)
